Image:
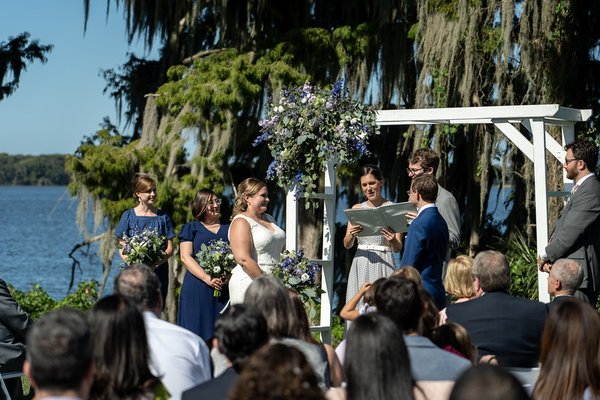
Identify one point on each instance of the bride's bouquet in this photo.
(216, 259)
(301, 275)
(144, 247)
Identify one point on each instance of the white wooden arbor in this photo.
(534, 118)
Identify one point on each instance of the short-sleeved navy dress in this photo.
(199, 309)
(131, 223)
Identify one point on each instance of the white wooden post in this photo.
(541, 198)
(291, 242)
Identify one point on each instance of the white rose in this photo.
(305, 277)
(217, 269)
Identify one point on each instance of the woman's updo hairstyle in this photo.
(370, 169)
(248, 187)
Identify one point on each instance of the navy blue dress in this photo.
(199, 309)
(130, 223)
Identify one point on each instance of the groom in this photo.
(426, 242)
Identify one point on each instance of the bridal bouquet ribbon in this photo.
(144, 247)
(301, 275)
(216, 259)
(308, 127)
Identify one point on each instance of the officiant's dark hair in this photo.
(371, 169)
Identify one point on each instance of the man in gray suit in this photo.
(576, 234)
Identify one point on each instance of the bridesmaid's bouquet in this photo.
(144, 247)
(216, 259)
(301, 275)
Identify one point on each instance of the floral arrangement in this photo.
(217, 260)
(144, 247)
(301, 275)
(310, 126)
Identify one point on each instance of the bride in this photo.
(256, 240)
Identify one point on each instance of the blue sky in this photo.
(60, 102)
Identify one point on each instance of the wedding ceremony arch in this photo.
(507, 119)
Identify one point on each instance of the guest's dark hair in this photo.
(240, 331)
(454, 338)
(398, 298)
(570, 352)
(271, 298)
(492, 269)
(200, 203)
(140, 285)
(370, 169)
(277, 372)
(59, 350)
(121, 351)
(586, 151)
(376, 364)
(489, 382)
(302, 324)
(427, 187)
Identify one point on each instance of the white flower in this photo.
(279, 109)
(353, 121)
(305, 277)
(303, 101)
(217, 269)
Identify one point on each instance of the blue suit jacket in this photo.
(425, 249)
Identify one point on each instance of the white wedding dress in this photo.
(267, 246)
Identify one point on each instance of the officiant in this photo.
(373, 258)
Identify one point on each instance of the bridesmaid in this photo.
(146, 215)
(199, 309)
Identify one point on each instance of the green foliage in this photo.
(37, 301)
(337, 330)
(351, 43)
(522, 257)
(33, 170)
(492, 40)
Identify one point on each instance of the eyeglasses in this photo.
(413, 170)
(216, 202)
(567, 160)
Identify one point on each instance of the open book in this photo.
(374, 219)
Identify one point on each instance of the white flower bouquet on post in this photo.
(216, 259)
(310, 126)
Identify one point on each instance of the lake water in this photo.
(38, 231)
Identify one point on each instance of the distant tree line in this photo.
(42, 170)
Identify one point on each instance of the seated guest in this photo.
(336, 374)
(490, 383)
(121, 353)
(399, 299)
(455, 339)
(458, 282)
(59, 360)
(377, 363)
(14, 323)
(179, 356)
(239, 332)
(271, 298)
(564, 278)
(570, 354)
(508, 327)
(276, 372)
